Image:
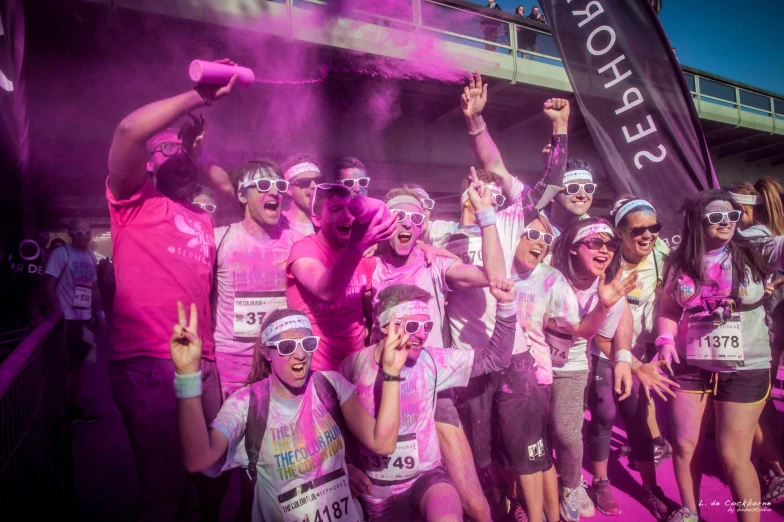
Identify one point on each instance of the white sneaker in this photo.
(586, 505)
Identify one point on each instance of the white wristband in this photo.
(623, 356)
(187, 386)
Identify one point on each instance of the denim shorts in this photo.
(405, 505)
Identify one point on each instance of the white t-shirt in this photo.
(588, 299)
(644, 298)
(250, 282)
(544, 295)
(297, 229)
(76, 270)
(472, 311)
(436, 369)
(302, 443)
(431, 278)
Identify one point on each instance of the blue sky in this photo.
(740, 40)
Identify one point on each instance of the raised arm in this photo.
(128, 152)
(498, 353)
(488, 156)
(201, 448)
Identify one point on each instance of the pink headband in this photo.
(596, 228)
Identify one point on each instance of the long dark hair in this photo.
(261, 366)
(562, 257)
(688, 257)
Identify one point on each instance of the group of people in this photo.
(536, 15)
(362, 361)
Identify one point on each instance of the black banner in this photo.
(635, 101)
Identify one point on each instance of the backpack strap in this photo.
(256, 425)
(329, 398)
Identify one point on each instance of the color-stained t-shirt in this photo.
(297, 229)
(718, 268)
(163, 251)
(588, 299)
(644, 298)
(431, 278)
(302, 443)
(339, 323)
(76, 272)
(417, 449)
(250, 282)
(544, 296)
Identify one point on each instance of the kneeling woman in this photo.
(712, 330)
(287, 429)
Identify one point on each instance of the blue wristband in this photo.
(187, 386)
(485, 217)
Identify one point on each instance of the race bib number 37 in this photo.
(324, 499)
(706, 341)
(250, 309)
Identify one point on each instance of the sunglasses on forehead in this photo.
(207, 207)
(286, 347)
(714, 218)
(574, 188)
(265, 185)
(596, 243)
(304, 183)
(638, 231)
(428, 204)
(167, 148)
(349, 183)
(415, 217)
(411, 327)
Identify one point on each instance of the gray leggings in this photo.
(567, 398)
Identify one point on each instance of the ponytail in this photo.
(772, 208)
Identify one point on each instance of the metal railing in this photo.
(36, 476)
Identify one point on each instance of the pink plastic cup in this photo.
(364, 208)
(202, 71)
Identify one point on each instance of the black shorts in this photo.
(505, 416)
(446, 412)
(739, 387)
(405, 506)
(76, 348)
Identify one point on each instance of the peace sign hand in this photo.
(615, 290)
(395, 352)
(480, 196)
(185, 344)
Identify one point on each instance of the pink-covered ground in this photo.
(107, 490)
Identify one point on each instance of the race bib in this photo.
(467, 249)
(324, 499)
(560, 344)
(707, 341)
(403, 464)
(83, 297)
(250, 309)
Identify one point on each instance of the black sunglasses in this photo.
(638, 231)
(304, 183)
(597, 244)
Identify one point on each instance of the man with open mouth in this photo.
(412, 481)
(327, 276)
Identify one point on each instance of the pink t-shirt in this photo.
(163, 252)
(339, 323)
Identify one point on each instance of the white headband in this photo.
(259, 173)
(626, 207)
(405, 200)
(290, 322)
(403, 309)
(300, 168)
(420, 192)
(597, 228)
(746, 199)
(492, 186)
(577, 174)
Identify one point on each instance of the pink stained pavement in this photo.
(106, 486)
